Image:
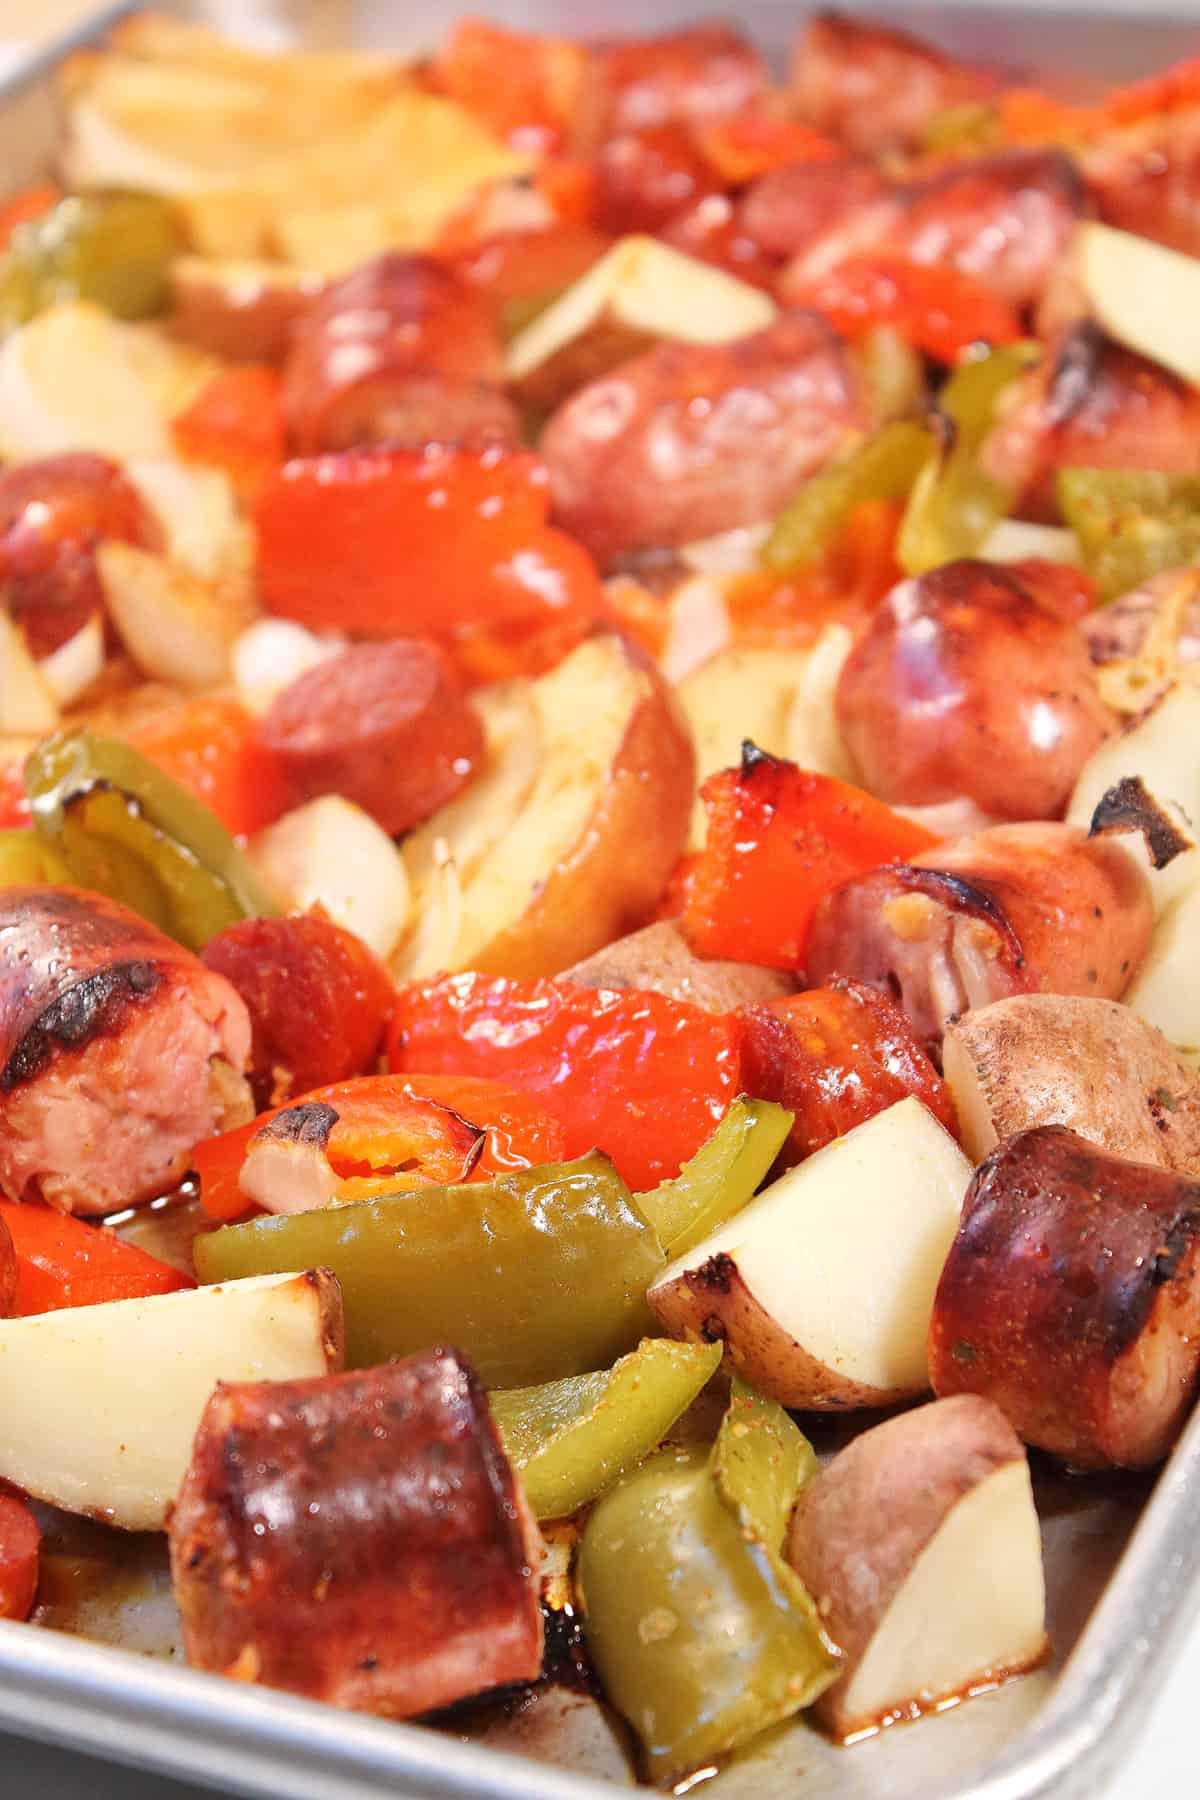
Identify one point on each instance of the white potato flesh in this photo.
(971, 1609)
(1166, 989)
(1143, 294)
(71, 380)
(1160, 751)
(272, 653)
(330, 853)
(1015, 540)
(813, 738)
(176, 627)
(698, 625)
(197, 509)
(99, 1404)
(27, 703)
(648, 287)
(844, 1252)
(70, 670)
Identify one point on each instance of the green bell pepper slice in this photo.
(571, 1439)
(27, 861)
(539, 1274)
(721, 1178)
(1131, 523)
(114, 249)
(883, 468)
(955, 502)
(125, 829)
(701, 1634)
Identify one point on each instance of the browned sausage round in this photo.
(1071, 1298)
(119, 1052)
(402, 351)
(1147, 179)
(384, 725)
(1016, 909)
(963, 685)
(358, 1538)
(791, 207)
(644, 178)
(693, 439)
(694, 76)
(874, 87)
(1004, 220)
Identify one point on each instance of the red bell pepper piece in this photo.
(845, 583)
(1176, 88)
(525, 86)
(446, 544)
(640, 1076)
(835, 1056)
(14, 801)
(211, 747)
(30, 203)
(779, 839)
(747, 145)
(20, 1543)
(62, 1261)
(318, 1000)
(936, 308)
(237, 422)
(397, 1131)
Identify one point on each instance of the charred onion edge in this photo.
(1128, 807)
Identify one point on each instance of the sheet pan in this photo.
(1122, 1555)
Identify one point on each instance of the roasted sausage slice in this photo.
(692, 77)
(693, 439)
(874, 87)
(384, 725)
(360, 1539)
(963, 685)
(1036, 908)
(790, 208)
(1147, 179)
(119, 1052)
(1071, 1297)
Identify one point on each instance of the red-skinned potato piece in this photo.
(874, 87)
(834, 1056)
(1014, 909)
(963, 685)
(637, 1075)
(384, 725)
(53, 513)
(318, 1001)
(401, 351)
(644, 178)
(693, 439)
(658, 960)
(1070, 1297)
(312, 1547)
(694, 76)
(920, 1545)
(20, 1544)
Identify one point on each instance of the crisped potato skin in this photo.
(360, 1539)
(1070, 1297)
(659, 960)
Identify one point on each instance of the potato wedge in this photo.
(640, 291)
(814, 1315)
(27, 700)
(659, 960)
(330, 853)
(1166, 989)
(920, 1545)
(99, 1404)
(550, 873)
(176, 627)
(1063, 1059)
(1145, 295)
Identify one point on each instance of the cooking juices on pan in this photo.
(596, 703)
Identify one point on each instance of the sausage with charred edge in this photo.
(962, 684)
(119, 1051)
(1071, 1298)
(1017, 909)
(360, 1539)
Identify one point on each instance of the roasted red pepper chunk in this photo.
(211, 746)
(835, 1056)
(779, 839)
(938, 309)
(61, 1262)
(20, 1543)
(637, 1075)
(236, 423)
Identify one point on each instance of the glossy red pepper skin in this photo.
(212, 747)
(236, 422)
(779, 839)
(639, 1076)
(939, 310)
(63, 1262)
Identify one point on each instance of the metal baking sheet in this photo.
(104, 1673)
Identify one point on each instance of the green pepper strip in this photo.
(25, 861)
(955, 503)
(722, 1176)
(124, 829)
(699, 1631)
(538, 1274)
(884, 468)
(571, 1439)
(1131, 523)
(114, 249)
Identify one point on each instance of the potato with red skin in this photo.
(54, 512)
(874, 87)
(384, 725)
(644, 178)
(1014, 909)
(1070, 1297)
(693, 439)
(963, 685)
(314, 1546)
(694, 76)
(834, 1056)
(402, 352)
(319, 1002)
